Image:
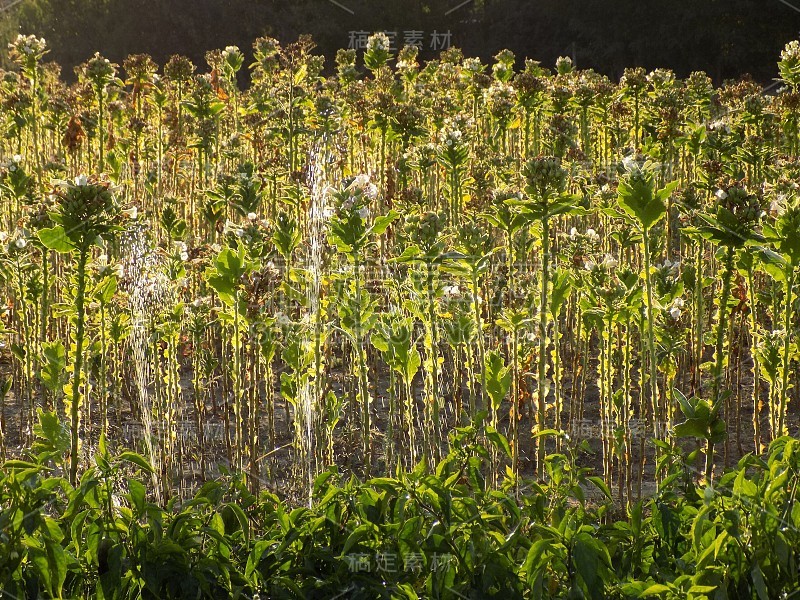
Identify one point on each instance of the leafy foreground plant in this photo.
(85, 212)
(420, 535)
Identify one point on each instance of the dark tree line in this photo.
(726, 38)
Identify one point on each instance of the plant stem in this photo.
(787, 322)
(543, 312)
(77, 365)
(651, 344)
(719, 349)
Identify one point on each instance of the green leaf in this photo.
(409, 254)
(759, 583)
(382, 223)
(244, 524)
(300, 74)
(692, 428)
(255, 557)
(601, 485)
(588, 561)
(498, 378)
(137, 495)
(499, 440)
(656, 590)
(106, 290)
(56, 239)
(359, 534)
(57, 563)
(136, 459)
(223, 286)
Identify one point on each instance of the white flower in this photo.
(588, 264)
(676, 308)
(180, 246)
(131, 213)
(360, 181)
(609, 262)
(363, 213)
(3, 236)
(451, 290)
(629, 163)
(720, 125)
(16, 158)
(670, 265)
(592, 235)
(251, 216)
(777, 206)
(20, 242)
(573, 232)
(378, 42)
(119, 271)
(81, 180)
(721, 194)
(184, 256)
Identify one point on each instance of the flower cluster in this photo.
(378, 42)
(346, 65)
(354, 199)
(232, 59)
(503, 69)
(424, 230)
(407, 59)
(500, 99)
(450, 134)
(105, 267)
(86, 209)
(452, 138)
(564, 65)
(744, 206)
(14, 242)
(12, 164)
(377, 51)
(789, 64)
(99, 70)
(676, 308)
(28, 50)
(545, 176)
(590, 234)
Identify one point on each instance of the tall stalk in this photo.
(77, 363)
(787, 325)
(651, 338)
(546, 182)
(719, 348)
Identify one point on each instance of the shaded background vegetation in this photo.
(726, 38)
